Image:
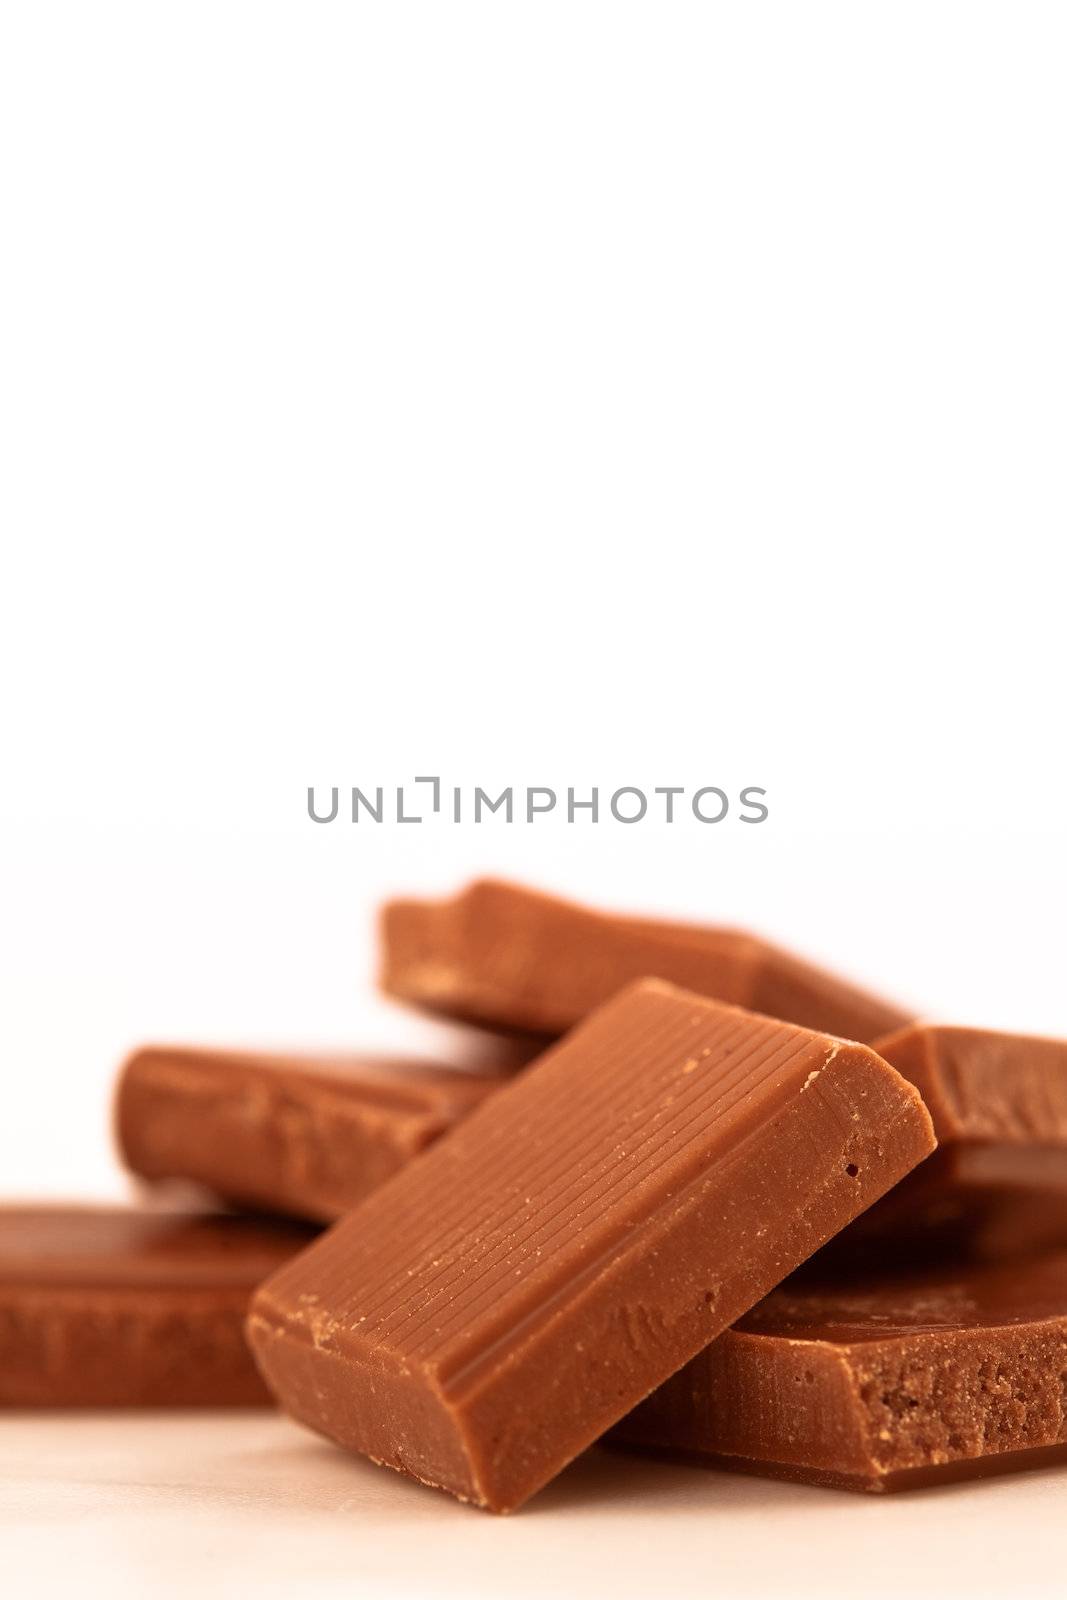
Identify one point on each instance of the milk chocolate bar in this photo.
(306, 1135)
(985, 1087)
(879, 1384)
(121, 1307)
(495, 1307)
(997, 1186)
(968, 1202)
(507, 957)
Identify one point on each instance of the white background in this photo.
(566, 394)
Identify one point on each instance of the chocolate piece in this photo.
(486, 1315)
(507, 957)
(304, 1135)
(878, 1384)
(980, 1086)
(998, 1183)
(968, 1202)
(112, 1307)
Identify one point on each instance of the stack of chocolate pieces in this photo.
(733, 1209)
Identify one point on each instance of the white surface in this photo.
(585, 394)
(561, 394)
(253, 1505)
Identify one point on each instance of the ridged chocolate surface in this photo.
(116, 1307)
(508, 957)
(495, 1307)
(302, 1135)
(879, 1383)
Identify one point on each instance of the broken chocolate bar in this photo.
(495, 1307)
(968, 1202)
(878, 1384)
(985, 1087)
(304, 1135)
(506, 957)
(114, 1307)
(997, 1186)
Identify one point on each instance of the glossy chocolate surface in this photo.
(307, 1136)
(508, 957)
(879, 1383)
(120, 1307)
(983, 1087)
(513, 1292)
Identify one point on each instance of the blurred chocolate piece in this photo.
(878, 1384)
(493, 1309)
(303, 1135)
(503, 956)
(997, 1187)
(985, 1087)
(967, 1203)
(113, 1307)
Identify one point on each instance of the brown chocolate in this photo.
(506, 957)
(304, 1135)
(118, 1307)
(878, 1384)
(997, 1187)
(985, 1087)
(491, 1311)
(967, 1202)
